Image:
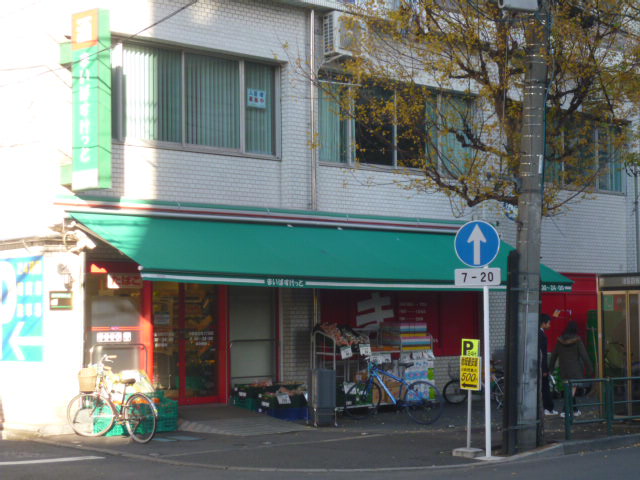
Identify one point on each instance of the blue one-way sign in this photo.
(477, 243)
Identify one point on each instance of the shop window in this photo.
(114, 316)
(175, 96)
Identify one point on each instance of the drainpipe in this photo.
(637, 216)
(312, 109)
(313, 135)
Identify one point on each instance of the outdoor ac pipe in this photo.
(312, 109)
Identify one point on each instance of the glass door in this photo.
(615, 344)
(634, 348)
(190, 341)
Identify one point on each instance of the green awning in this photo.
(288, 255)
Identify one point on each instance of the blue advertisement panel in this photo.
(22, 309)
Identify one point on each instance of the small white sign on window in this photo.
(256, 98)
(365, 349)
(346, 352)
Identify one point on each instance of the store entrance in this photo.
(621, 346)
(190, 347)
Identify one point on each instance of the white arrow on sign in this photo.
(16, 342)
(477, 237)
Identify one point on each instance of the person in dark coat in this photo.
(547, 399)
(572, 357)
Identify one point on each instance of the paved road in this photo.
(31, 460)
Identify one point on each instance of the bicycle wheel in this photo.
(423, 402)
(498, 391)
(453, 393)
(362, 399)
(90, 415)
(140, 417)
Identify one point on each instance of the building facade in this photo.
(213, 236)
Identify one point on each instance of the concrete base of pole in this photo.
(490, 459)
(467, 452)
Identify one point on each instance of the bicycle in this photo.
(421, 399)
(454, 394)
(94, 413)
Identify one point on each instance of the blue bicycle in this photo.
(420, 399)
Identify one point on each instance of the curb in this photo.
(571, 447)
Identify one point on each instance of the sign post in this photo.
(470, 366)
(477, 244)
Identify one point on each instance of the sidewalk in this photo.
(232, 438)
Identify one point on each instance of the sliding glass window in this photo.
(175, 96)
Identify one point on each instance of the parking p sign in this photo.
(470, 364)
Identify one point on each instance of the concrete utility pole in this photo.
(529, 223)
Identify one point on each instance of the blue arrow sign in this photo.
(477, 243)
(21, 309)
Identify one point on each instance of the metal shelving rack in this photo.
(326, 353)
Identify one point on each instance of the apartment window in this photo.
(594, 150)
(176, 96)
(449, 117)
(379, 140)
(335, 131)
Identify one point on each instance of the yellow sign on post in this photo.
(470, 372)
(470, 365)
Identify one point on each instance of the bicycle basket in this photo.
(87, 378)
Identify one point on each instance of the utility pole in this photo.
(529, 222)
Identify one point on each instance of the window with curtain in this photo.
(379, 141)
(260, 90)
(334, 129)
(593, 146)
(175, 96)
(152, 91)
(453, 116)
(212, 105)
(609, 161)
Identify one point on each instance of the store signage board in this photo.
(477, 243)
(470, 372)
(91, 72)
(478, 277)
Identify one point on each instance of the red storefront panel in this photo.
(450, 316)
(567, 306)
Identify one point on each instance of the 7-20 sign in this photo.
(480, 277)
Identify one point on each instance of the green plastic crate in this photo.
(246, 402)
(167, 416)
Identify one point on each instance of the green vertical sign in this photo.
(91, 50)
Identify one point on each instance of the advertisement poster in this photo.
(21, 310)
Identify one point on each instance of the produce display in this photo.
(273, 399)
(343, 335)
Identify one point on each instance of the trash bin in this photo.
(322, 397)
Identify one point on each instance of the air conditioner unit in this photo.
(336, 36)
